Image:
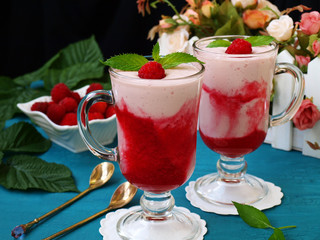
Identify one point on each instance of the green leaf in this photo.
(23, 137)
(71, 65)
(219, 43)
(174, 59)
(126, 62)
(156, 52)
(277, 235)
(252, 216)
(259, 40)
(29, 172)
(234, 26)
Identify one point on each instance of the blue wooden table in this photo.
(297, 175)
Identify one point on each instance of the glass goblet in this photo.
(157, 131)
(234, 115)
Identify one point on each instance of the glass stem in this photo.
(157, 206)
(231, 169)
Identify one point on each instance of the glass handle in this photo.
(297, 96)
(94, 146)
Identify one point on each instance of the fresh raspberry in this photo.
(95, 115)
(56, 112)
(99, 107)
(110, 111)
(40, 106)
(76, 96)
(69, 104)
(94, 87)
(151, 70)
(59, 92)
(239, 46)
(69, 119)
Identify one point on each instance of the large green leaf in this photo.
(74, 63)
(29, 172)
(74, 74)
(23, 137)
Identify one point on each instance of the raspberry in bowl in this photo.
(58, 119)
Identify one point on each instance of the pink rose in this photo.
(307, 115)
(302, 60)
(310, 23)
(316, 47)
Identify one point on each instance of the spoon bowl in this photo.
(101, 174)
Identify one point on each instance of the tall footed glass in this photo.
(157, 131)
(234, 115)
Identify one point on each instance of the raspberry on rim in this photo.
(151, 70)
(239, 46)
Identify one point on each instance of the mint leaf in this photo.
(29, 172)
(252, 216)
(156, 52)
(219, 43)
(277, 235)
(175, 59)
(126, 62)
(23, 137)
(257, 41)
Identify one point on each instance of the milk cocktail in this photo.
(157, 126)
(234, 111)
(234, 106)
(156, 105)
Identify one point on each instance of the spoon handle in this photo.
(37, 220)
(78, 224)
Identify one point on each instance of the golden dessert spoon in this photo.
(122, 196)
(99, 176)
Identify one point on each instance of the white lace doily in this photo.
(272, 199)
(108, 224)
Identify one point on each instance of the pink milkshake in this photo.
(234, 106)
(234, 112)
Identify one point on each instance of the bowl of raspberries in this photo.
(57, 116)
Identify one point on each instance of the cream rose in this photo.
(176, 41)
(281, 29)
(243, 3)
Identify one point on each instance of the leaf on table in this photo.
(28, 172)
(23, 137)
(252, 216)
(277, 235)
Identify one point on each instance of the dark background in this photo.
(32, 31)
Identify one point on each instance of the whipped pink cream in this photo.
(155, 97)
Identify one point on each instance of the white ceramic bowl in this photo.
(104, 130)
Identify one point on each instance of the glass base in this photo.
(177, 225)
(217, 190)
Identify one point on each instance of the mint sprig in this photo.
(255, 41)
(133, 62)
(257, 219)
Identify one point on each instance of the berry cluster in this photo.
(62, 109)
